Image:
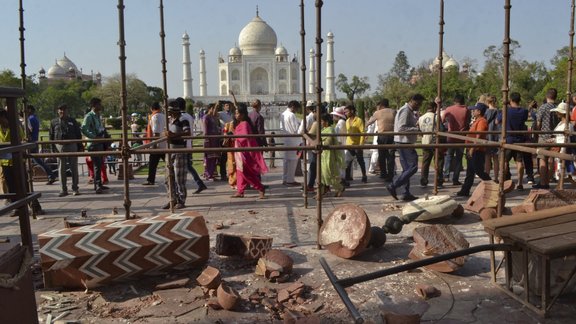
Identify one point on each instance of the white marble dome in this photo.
(257, 38)
(235, 51)
(451, 63)
(56, 71)
(66, 64)
(281, 51)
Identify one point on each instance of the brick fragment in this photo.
(209, 278)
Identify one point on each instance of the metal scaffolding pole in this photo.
(568, 92)
(319, 89)
(170, 166)
(437, 168)
(505, 90)
(303, 70)
(124, 110)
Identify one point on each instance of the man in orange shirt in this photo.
(475, 156)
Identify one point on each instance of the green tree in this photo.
(401, 67)
(557, 77)
(357, 87)
(138, 97)
(9, 79)
(393, 88)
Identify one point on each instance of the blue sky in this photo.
(368, 33)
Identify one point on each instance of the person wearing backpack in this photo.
(545, 121)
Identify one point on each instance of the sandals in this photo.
(238, 195)
(262, 194)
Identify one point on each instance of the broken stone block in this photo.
(297, 286)
(89, 256)
(248, 246)
(486, 195)
(283, 295)
(428, 208)
(346, 231)
(274, 265)
(545, 199)
(427, 291)
(437, 240)
(173, 284)
(292, 316)
(209, 278)
(228, 297)
(394, 318)
(488, 213)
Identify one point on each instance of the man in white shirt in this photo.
(427, 123)
(311, 109)
(289, 125)
(186, 116)
(155, 128)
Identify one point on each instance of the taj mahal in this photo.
(258, 68)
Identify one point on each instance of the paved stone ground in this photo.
(468, 296)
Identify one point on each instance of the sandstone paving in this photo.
(468, 296)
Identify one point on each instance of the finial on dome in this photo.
(257, 13)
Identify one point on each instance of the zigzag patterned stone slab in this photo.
(93, 255)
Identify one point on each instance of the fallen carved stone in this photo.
(89, 256)
(436, 240)
(346, 231)
(428, 208)
(247, 246)
(545, 199)
(486, 195)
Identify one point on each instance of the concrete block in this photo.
(93, 255)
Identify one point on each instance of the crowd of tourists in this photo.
(415, 122)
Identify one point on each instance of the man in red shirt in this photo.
(475, 156)
(457, 117)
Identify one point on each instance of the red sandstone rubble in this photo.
(346, 231)
(247, 246)
(209, 278)
(228, 297)
(436, 240)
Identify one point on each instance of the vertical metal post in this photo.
(170, 166)
(568, 92)
(29, 167)
(124, 110)
(303, 70)
(18, 170)
(439, 95)
(319, 89)
(505, 90)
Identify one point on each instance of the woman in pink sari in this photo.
(249, 165)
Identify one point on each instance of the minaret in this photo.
(312, 73)
(330, 89)
(187, 66)
(202, 73)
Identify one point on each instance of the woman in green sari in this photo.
(332, 160)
